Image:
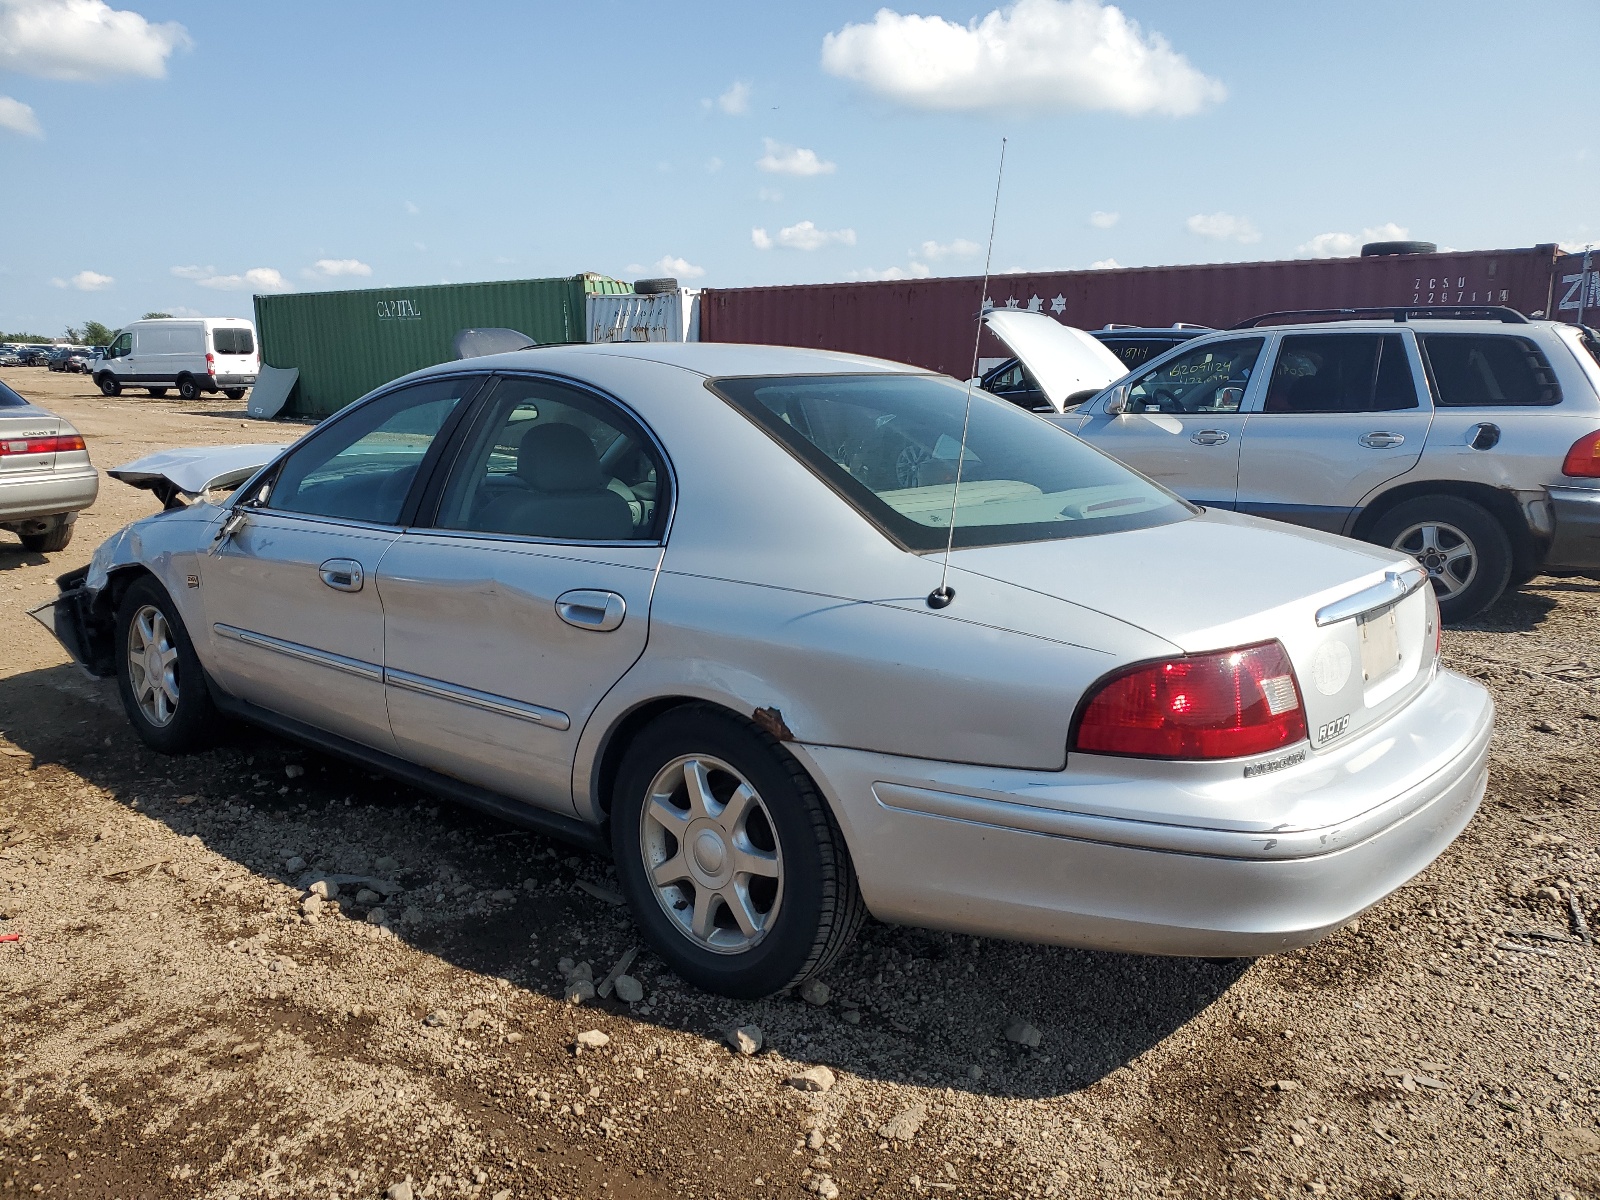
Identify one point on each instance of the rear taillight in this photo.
(40, 445)
(211, 364)
(1583, 460)
(1228, 704)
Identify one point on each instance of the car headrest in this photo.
(559, 458)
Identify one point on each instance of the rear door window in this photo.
(232, 340)
(1341, 373)
(1474, 370)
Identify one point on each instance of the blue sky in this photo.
(176, 156)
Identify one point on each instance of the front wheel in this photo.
(109, 385)
(188, 388)
(159, 676)
(735, 869)
(1465, 551)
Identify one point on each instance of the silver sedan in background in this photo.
(688, 603)
(45, 474)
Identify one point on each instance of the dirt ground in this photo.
(172, 1025)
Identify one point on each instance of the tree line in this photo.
(90, 333)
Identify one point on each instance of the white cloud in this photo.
(782, 159)
(770, 195)
(18, 117)
(736, 100)
(959, 248)
(265, 279)
(84, 40)
(86, 281)
(1033, 54)
(1104, 220)
(1223, 227)
(679, 268)
(335, 268)
(803, 236)
(915, 270)
(1105, 264)
(1347, 245)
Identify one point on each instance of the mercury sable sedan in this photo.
(688, 602)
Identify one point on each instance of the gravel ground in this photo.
(175, 1021)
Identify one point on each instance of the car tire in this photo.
(1465, 549)
(654, 287)
(109, 385)
(233, 393)
(50, 542)
(1386, 249)
(171, 711)
(803, 890)
(188, 389)
(158, 393)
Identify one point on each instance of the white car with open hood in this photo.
(683, 602)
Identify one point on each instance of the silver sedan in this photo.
(689, 604)
(45, 474)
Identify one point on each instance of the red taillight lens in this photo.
(1223, 705)
(211, 364)
(40, 445)
(1583, 460)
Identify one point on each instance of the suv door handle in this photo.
(342, 574)
(599, 612)
(1209, 437)
(1380, 440)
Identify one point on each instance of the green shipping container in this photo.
(347, 343)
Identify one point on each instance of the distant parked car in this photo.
(10, 358)
(82, 362)
(1468, 438)
(34, 356)
(1134, 345)
(194, 355)
(58, 358)
(45, 474)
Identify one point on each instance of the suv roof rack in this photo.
(1471, 312)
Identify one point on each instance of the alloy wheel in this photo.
(711, 854)
(153, 665)
(1445, 552)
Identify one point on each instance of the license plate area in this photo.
(1380, 645)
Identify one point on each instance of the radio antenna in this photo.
(941, 596)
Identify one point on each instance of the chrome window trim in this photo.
(487, 701)
(324, 658)
(516, 539)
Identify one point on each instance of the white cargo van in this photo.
(192, 354)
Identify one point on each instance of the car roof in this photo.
(710, 359)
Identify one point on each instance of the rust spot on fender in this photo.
(771, 720)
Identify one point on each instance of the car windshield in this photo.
(889, 444)
(9, 399)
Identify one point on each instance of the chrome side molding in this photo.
(1396, 586)
(322, 658)
(487, 701)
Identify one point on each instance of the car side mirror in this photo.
(1118, 404)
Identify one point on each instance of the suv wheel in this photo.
(188, 388)
(109, 385)
(1465, 550)
(159, 676)
(735, 869)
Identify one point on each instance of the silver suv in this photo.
(1469, 438)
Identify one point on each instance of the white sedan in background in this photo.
(682, 602)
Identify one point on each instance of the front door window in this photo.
(1208, 379)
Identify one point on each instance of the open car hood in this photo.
(178, 476)
(1063, 361)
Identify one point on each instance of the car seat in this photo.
(567, 496)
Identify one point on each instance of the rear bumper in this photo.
(976, 851)
(233, 381)
(47, 494)
(1576, 543)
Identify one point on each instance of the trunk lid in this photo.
(18, 427)
(1063, 361)
(1224, 579)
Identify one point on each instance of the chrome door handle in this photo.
(342, 574)
(1209, 437)
(1381, 440)
(599, 612)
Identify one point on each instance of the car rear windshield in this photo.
(233, 341)
(889, 444)
(1472, 370)
(9, 399)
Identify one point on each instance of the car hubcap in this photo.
(153, 665)
(1444, 552)
(711, 854)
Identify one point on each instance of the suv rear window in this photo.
(233, 341)
(1473, 370)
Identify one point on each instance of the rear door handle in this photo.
(1209, 437)
(599, 612)
(342, 574)
(1381, 440)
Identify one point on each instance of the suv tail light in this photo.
(41, 445)
(211, 364)
(1583, 460)
(1227, 704)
